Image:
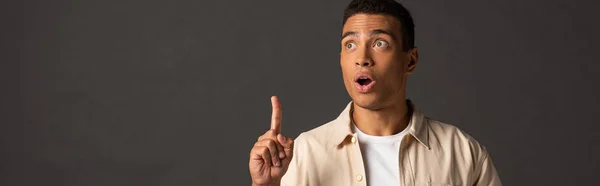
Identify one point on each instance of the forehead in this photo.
(368, 22)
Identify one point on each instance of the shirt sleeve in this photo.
(488, 176)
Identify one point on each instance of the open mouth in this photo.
(364, 81)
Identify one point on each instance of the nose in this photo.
(365, 63)
(364, 59)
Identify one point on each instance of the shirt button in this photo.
(353, 140)
(359, 177)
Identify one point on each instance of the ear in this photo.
(413, 59)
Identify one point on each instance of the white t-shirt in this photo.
(380, 157)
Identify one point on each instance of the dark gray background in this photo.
(134, 92)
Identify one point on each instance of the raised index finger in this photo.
(276, 115)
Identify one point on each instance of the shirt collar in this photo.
(342, 126)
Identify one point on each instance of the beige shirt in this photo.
(433, 154)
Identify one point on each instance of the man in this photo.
(380, 138)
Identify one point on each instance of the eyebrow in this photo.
(373, 32)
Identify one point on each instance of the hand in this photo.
(272, 153)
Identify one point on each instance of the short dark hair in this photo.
(386, 7)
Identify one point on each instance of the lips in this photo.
(363, 82)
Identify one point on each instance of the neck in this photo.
(382, 122)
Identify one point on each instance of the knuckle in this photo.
(270, 142)
(269, 133)
(264, 151)
(260, 148)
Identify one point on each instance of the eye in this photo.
(381, 43)
(350, 45)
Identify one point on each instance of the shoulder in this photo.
(450, 138)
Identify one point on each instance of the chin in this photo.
(367, 101)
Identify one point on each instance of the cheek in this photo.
(387, 62)
(345, 64)
(397, 62)
(392, 70)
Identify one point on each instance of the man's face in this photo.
(374, 64)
